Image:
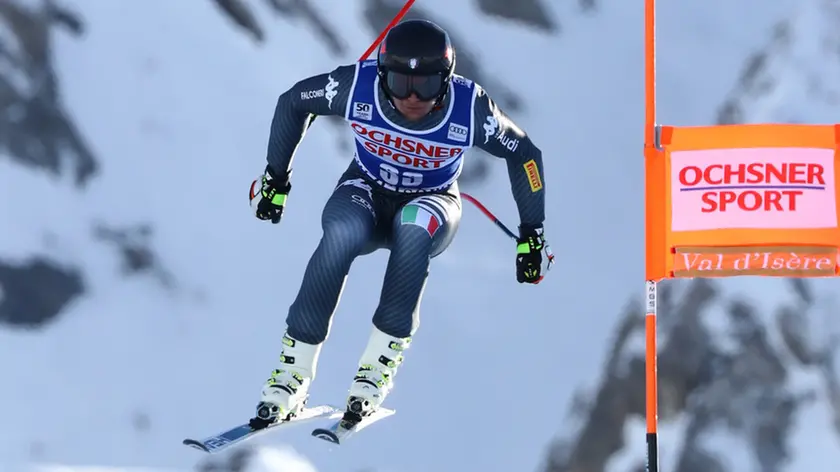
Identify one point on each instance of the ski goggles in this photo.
(426, 87)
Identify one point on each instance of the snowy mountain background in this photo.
(138, 304)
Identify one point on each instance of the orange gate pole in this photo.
(654, 174)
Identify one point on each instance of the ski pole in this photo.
(549, 255)
(399, 16)
(490, 215)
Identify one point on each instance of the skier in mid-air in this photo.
(413, 119)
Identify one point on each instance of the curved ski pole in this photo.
(511, 235)
(490, 215)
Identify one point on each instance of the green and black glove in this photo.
(529, 255)
(268, 195)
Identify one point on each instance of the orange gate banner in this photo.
(733, 200)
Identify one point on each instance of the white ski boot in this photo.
(375, 377)
(285, 393)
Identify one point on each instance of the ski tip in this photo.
(195, 444)
(326, 435)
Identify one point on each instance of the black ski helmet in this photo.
(416, 56)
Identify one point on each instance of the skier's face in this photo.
(412, 108)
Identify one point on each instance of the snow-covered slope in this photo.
(177, 104)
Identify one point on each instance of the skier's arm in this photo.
(498, 135)
(323, 94)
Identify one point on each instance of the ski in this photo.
(342, 429)
(240, 433)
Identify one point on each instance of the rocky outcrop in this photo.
(35, 292)
(35, 129)
(737, 381)
(135, 251)
(242, 14)
(796, 71)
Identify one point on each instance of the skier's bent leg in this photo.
(348, 223)
(422, 230)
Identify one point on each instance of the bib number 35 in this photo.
(392, 176)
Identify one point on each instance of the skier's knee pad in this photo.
(424, 229)
(415, 236)
(347, 235)
(411, 245)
